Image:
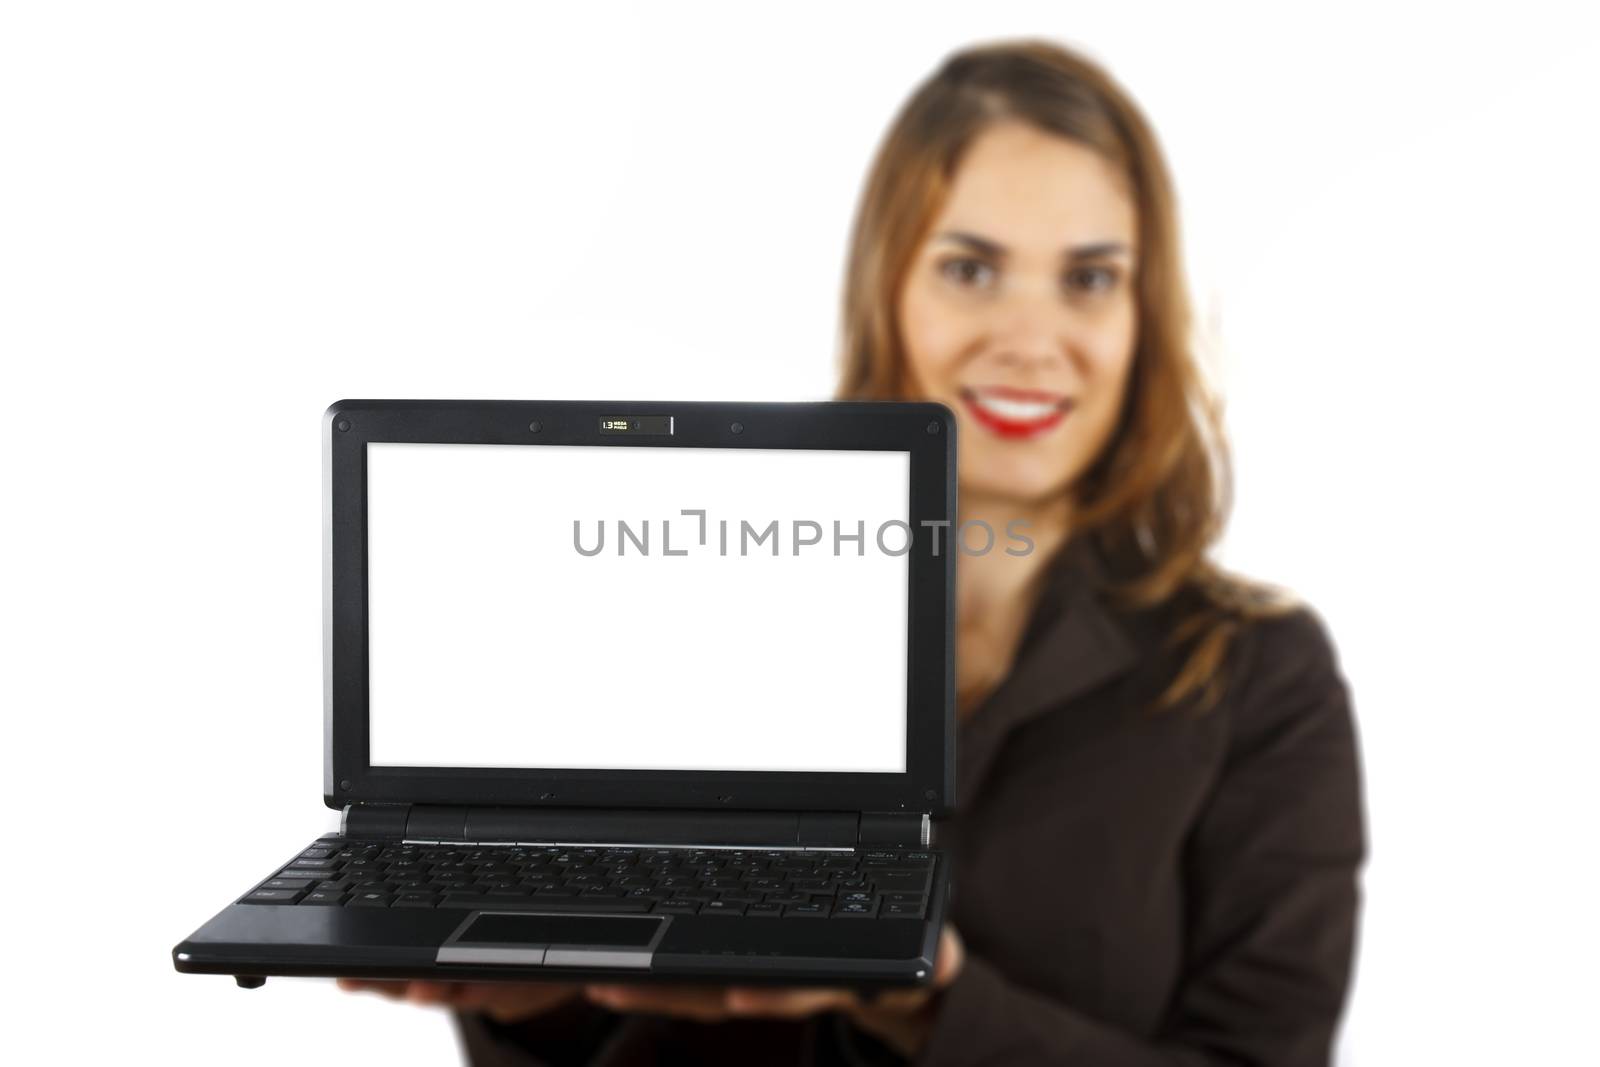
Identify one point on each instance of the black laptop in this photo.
(624, 691)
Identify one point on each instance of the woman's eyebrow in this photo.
(1093, 250)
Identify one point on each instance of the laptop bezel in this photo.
(926, 431)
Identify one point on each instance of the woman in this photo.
(1160, 832)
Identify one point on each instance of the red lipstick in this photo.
(1016, 414)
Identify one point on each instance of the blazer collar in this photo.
(1073, 643)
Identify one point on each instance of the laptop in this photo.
(624, 691)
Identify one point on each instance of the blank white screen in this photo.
(494, 643)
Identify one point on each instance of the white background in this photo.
(493, 642)
(217, 218)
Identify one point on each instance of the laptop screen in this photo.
(643, 608)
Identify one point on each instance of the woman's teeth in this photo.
(1016, 410)
(1017, 418)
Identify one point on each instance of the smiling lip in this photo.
(1016, 414)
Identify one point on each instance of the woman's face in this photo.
(1019, 313)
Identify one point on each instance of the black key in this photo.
(457, 900)
(772, 910)
(855, 910)
(721, 907)
(857, 897)
(694, 894)
(901, 881)
(904, 911)
(902, 860)
(415, 900)
(903, 898)
(806, 911)
(323, 896)
(369, 900)
(645, 893)
(741, 898)
(274, 896)
(287, 883)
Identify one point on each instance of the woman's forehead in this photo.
(1030, 190)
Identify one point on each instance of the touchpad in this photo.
(555, 940)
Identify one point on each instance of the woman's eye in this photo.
(1092, 279)
(966, 271)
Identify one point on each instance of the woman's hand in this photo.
(901, 1018)
(504, 1002)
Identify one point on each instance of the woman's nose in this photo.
(1030, 330)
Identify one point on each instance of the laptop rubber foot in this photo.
(250, 981)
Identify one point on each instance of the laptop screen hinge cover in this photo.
(902, 828)
(806, 829)
(374, 821)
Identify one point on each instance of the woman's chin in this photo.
(1015, 485)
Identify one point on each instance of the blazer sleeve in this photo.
(1271, 870)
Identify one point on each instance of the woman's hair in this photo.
(1158, 495)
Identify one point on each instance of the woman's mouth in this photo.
(1016, 413)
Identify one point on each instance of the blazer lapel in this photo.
(1072, 644)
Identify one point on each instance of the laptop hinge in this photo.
(374, 820)
(904, 829)
(673, 828)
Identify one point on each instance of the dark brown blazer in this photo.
(1133, 888)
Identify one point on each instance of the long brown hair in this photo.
(1158, 496)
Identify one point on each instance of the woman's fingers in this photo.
(511, 1001)
(504, 1001)
(432, 992)
(789, 1003)
(704, 1004)
(952, 954)
(393, 989)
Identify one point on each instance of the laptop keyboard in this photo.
(883, 883)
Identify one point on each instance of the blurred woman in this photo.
(1160, 832)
